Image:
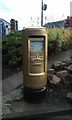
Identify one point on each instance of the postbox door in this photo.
(36, 56)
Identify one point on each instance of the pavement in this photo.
(12, 82)
(16, 80)
(14, 105)
(0, 79)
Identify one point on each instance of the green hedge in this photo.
(12, 48)
(12, 45)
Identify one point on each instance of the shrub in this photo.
(11, 48)
(57, 41)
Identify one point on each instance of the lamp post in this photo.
(43, 7)
(41, 12)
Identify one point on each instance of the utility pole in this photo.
(41, 12)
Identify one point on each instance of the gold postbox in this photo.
(35, 47)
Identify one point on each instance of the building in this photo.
(57, 24)
(66, 23)
(2, 29)
(14, 25)
(5, 27)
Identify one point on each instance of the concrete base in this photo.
(33, 96)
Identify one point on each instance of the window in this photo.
(6, 26)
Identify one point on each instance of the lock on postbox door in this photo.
(35, 46)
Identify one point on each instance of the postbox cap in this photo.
(34, 28)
